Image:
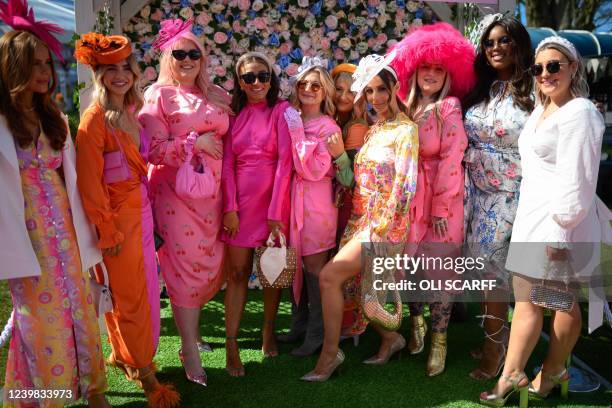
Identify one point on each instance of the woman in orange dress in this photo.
(116, 202)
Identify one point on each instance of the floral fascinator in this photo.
(368, 68)
(20, 16)
(95, 49)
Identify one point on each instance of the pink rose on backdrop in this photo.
(203, 18)
(325, 43)
(381, 38)
(220, 70)
(291, 69)
(400, 14)
(332, 35)
(236, 26)
(150, 74)
(244, 4)
(284, 48)
(371, 43)
(220, 38)
(228, 84)
(303, 3)
(259, 23)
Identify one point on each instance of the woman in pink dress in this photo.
(256, 180)
(314, 216)
(435, 66)
(183, 101)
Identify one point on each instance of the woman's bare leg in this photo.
(346, 264)
(238, 264)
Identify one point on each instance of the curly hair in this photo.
(17, 53)
(521, 82)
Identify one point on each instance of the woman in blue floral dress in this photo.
(496, 112)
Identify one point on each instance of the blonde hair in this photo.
(132, 101)
(328, 107)
(358, 107)
(213, 93)
(412, 100)
(578, 86)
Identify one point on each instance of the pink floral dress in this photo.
(192, 254)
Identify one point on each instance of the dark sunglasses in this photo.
(314, 86)
(249, 78)
(503, 42)
(552, 67)
(180, 55)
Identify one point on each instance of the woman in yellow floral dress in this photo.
(385, 173)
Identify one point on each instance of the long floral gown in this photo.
(492, 177)
(55, 343)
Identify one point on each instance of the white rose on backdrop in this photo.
(412, 6)
(354, 55)
(310, 22)
(331, 22)
(303, 3)
(304, 42)
(245, 42)
(391, 7)
(345, 43)
(186, 13)
(208, 30)
(257, 5)
(216, 8)
(359, 21)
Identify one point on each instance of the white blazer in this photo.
(17, 257)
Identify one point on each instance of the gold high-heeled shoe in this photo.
(200, 378)
(437, 354)
(560, 380)
(418, 329)
(313, 377)
(398, 344)
(494, 400)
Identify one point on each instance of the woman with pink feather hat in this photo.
(435, 68)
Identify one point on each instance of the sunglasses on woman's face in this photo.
(502, 42)
(250, 77)
(314, 86)
(180, 55)
(552, 67)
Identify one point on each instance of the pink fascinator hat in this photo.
(18, 15)
(438, 43)
(172, 30)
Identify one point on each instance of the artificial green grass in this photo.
(275, 382)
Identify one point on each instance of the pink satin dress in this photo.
(192, 254)
(314, 216)
(257, 170)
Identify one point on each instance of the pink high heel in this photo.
(200, 379)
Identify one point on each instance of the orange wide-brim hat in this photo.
(95, 49)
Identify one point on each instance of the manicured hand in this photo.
(440, 226)
(231, 223)
(208, 143)
(335, 145)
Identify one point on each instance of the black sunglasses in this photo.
(180, 55)
(503, 42)
(552, 67)
(250, 77)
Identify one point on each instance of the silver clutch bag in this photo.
(551, 297)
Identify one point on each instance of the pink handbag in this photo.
(115, 164)
(192, 184)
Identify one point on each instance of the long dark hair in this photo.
(389, 81)
(239, 97)
(521, 82)
(17, 49)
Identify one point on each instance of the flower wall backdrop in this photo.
(285, 30)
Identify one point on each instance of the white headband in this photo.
(555, 39)
(308, 63)
(368, 68)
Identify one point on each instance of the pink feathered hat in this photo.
(172, 30)
(438, 43)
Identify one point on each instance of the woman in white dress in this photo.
(557, 216)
